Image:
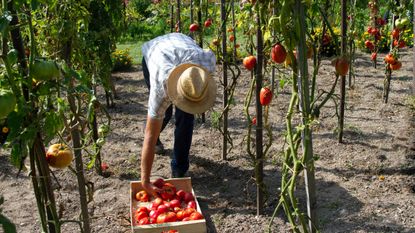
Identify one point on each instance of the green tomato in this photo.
(7, 102)
(401, 22)
(43, 70)
(405, 21)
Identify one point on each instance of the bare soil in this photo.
(365, 184)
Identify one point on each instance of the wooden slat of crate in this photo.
(195, 226)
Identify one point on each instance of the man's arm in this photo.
(152, 132)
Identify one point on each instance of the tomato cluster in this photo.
(170, 205)
(392, 61)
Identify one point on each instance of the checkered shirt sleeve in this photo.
(164, 53)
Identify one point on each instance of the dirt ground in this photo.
(366, 184)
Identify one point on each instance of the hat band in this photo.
(192, 98)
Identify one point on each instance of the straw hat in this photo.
(191, 88)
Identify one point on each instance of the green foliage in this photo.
(145, 21)
(121, 60)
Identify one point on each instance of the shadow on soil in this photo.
(225, 190)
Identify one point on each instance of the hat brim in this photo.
(184, 104)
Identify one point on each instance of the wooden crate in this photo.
(195, 226)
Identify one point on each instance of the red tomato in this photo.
(208, 22)
(193, 27)
(278, 53)
(167, 217)
(169, 191)
(142, 209)
(180, 215)
(342, 66)
(170, 231)
(390, 59)
(186, 219)
(231, 38)
(396, 66)
(159, 183)
(196, 216)
(249, 62)
(180, 194)
(188, 212)
(144, 221)
(254, 121)
(265, 96)
(374, 56)
(162, 209)
(156, 203)
(139, 215)
(395, 33)
(142, 196)
(188, 196)
(191, 204)
(153, 214)
(175, 203)
(104, 166)
(369, 44)
(400, 44)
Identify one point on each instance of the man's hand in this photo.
(150, 188)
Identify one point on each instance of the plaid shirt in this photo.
(164, 53)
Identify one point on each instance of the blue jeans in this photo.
(183, 131)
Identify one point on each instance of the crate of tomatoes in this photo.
(175, 209)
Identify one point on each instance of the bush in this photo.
(121, 60)
(329, 45)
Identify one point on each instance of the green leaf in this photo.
(53, 124)
(282, 83)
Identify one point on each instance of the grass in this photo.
(134, 49)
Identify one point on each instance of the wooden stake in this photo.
(225, 80)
